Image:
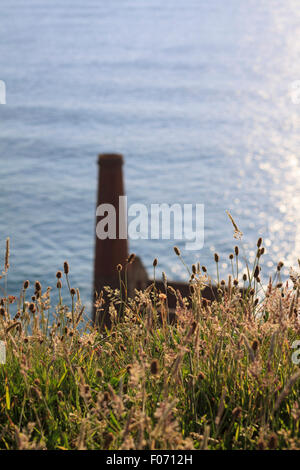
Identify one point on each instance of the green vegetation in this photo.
(220, 377)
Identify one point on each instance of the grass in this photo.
(220, 377)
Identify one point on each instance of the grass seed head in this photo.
(38, 286)
(177, 251)
(273, 442)
(131, 258)
(280, 266)
(66, 267)
(154, 367)
(259, 242)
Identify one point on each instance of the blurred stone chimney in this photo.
(111, 252)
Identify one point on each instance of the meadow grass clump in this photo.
(221, 376)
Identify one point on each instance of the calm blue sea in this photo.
(194, 93)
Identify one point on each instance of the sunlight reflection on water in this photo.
(196, 95)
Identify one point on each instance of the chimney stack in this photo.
(109, 252)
